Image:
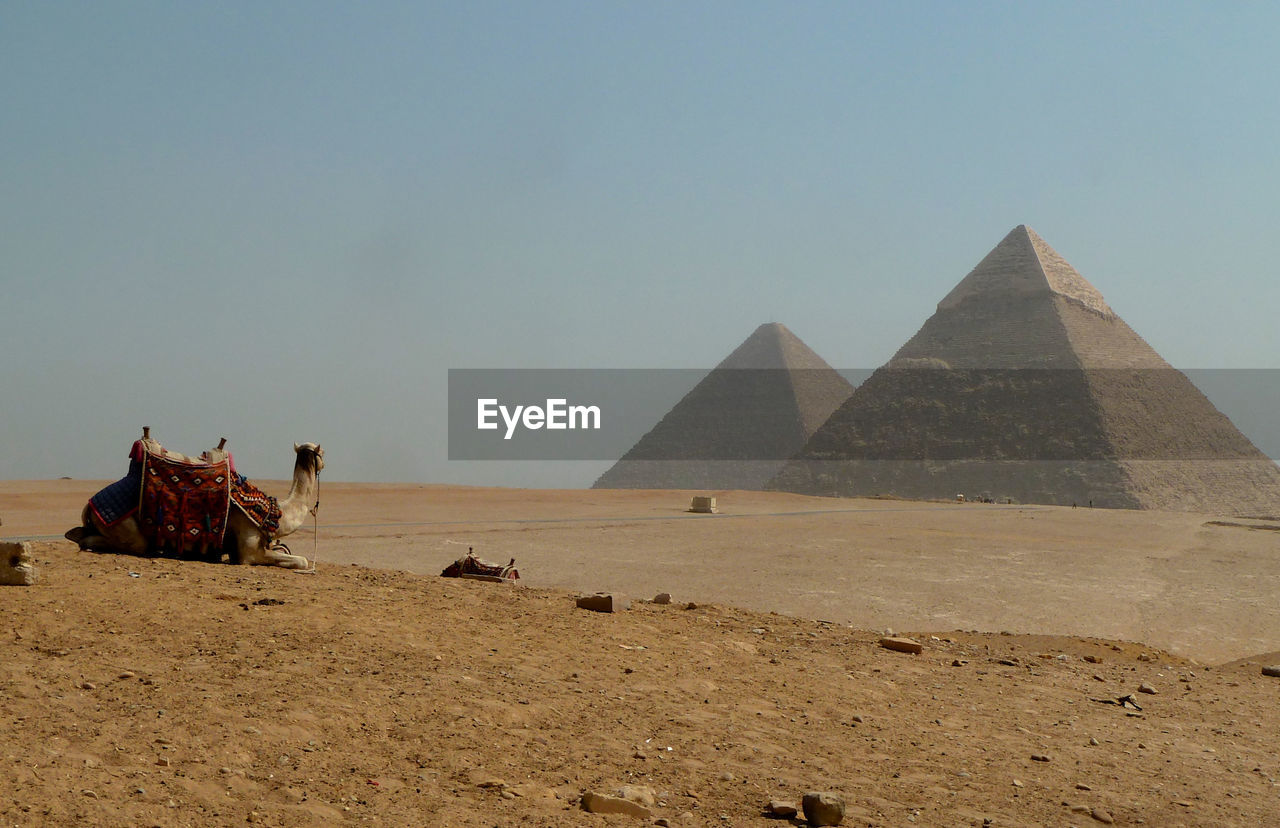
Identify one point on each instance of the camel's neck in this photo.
(302, 496)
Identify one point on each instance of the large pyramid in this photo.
(1025, 385)
(741, 423)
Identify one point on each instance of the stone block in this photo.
(604, 602)
(703, 505)
(597, 803)
(16, 566)
(778, 809)
(902, 645)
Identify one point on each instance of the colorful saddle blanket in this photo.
(469, 566)
(119, 500)
(258, 506)
(184, 505)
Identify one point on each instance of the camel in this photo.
(244, 540)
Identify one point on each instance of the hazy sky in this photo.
(279, 222)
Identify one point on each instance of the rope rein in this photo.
(315, 523)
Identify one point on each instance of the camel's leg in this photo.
(78, 535)
(253, 550)
(123, 537)
(84, 535)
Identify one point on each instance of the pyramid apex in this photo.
(1023, 264)
(773, 345)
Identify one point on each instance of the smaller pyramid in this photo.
(740, 424)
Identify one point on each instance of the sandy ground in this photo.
(147, 691)
(1199, 586)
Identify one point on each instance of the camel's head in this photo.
(310, 455)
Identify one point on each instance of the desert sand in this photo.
(152, 691)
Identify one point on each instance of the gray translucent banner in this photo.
(933, 413)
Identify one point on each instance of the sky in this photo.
(284, 222)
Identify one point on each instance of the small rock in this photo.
(127, 674)
(1102, 816)
(690, 606)
(901, 645)
(781, 810)
(640, 794)
(163, 761)
(822, 808)
(88, 685)
(1146, 688)
(1039, 757)
(596, 803)
(1273, 671)
(604, 602)
(662, 822)
(725, 776)
(1080, 786)
(1093, 741)
(662, 598)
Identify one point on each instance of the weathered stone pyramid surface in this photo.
(1025, 385)
(741, 423)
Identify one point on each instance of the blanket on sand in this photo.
(469, 566)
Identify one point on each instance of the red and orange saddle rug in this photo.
(184, 505)
(258, 506)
